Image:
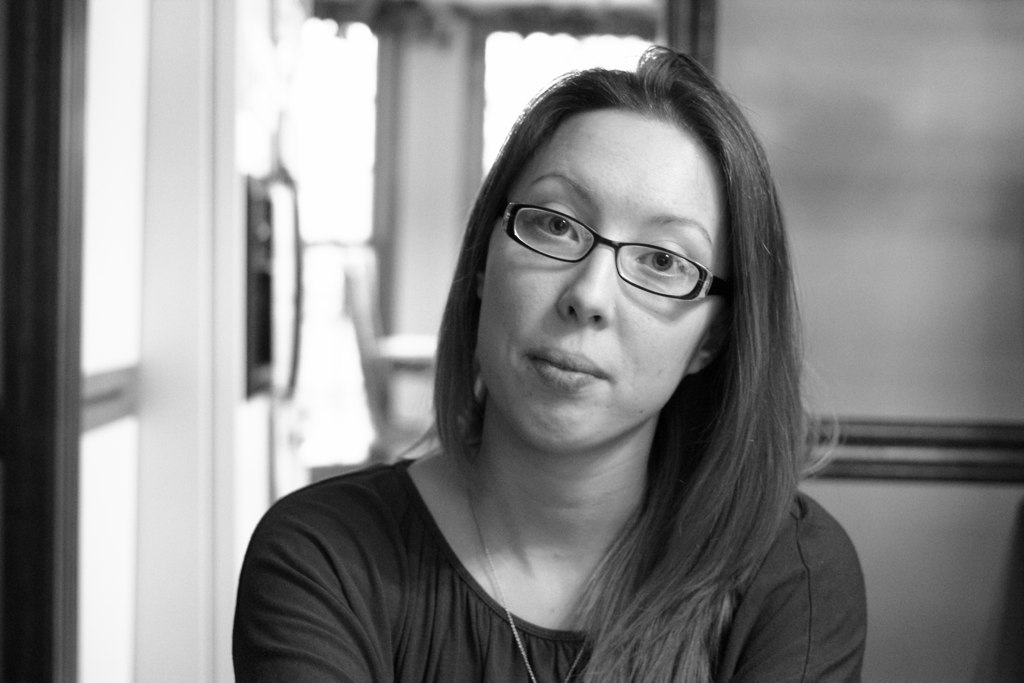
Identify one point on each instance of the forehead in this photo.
(628, 150)
(623, 164)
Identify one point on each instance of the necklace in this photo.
(493, 576)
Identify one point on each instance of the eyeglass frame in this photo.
(708, 284)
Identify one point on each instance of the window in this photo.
(517, 67)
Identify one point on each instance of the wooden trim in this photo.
(39, 417)
(862, 432)
(927, 451)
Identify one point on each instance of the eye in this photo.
(662, 261)
(547, 226)
(657, 263)
(555, 225)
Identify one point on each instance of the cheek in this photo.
(504, 309)
(498, 294)
(661, 352)
(510, 294)
(660, 367)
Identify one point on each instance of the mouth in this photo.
(565, 370)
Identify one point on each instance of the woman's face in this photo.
(573, 357)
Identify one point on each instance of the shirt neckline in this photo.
(401, 470)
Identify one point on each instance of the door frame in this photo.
(43, 85)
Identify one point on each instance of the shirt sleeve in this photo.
(310, 607)
(804, 617)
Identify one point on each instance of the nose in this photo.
(589, 295)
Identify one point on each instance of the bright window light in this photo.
(518, 67)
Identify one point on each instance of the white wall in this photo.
(191, 398)
(939, 566)
(115, 117)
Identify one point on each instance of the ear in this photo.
(711, 344)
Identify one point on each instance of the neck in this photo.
(560, 508)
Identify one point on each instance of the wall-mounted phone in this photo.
(273, 285)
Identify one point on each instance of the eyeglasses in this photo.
(645, 266)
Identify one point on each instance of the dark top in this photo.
(350, 579)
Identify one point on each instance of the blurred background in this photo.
(229, 228)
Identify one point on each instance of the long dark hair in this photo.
(730, 442)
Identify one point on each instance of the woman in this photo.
(620, 434)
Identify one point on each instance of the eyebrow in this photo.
(687, 222)
(587, 195)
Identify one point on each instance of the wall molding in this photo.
(925, 451)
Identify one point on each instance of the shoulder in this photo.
(345, 533)
(803, 616)
(815, 545)
(322, 584)
(365, 507)
(371, 490)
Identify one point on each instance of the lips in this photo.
(565, 369)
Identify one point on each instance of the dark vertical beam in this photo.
(44, 81)
(473, 104)
(386, 143)
(690, 27)
(5, 21)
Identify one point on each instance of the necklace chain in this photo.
(493, 575)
